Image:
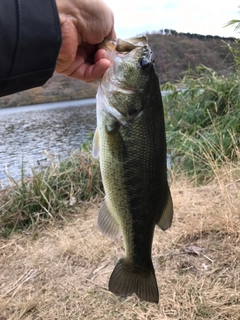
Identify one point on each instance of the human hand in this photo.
(84, 24)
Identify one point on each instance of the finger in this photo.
(112, 35)
(84, 69)
(100, 54)
(88, 72)
(93, 72)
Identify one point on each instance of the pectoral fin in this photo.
(107, 223)
(96, 144)
(166, 218)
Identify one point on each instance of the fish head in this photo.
(131, 62)
(123, 88)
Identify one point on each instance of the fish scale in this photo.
(131, 145)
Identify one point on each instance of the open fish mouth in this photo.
(124, 47)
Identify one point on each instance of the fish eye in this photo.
(144, 63)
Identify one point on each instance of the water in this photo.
(26, 132)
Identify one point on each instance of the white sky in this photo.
(134, 17)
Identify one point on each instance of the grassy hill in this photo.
(174, 54)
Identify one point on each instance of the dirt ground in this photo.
(61, 271)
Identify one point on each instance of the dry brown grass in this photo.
(62, 272)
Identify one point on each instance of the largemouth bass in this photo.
(130, 141)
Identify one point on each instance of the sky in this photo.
(134, 17)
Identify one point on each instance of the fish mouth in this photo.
(124, 46)
(135, 49)
(130, 47)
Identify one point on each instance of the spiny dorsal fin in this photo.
(167, 216)
(107, 223)
(96, 144)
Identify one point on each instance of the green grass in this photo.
(203, 123)
(51, 192)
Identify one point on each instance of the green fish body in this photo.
(130, 141)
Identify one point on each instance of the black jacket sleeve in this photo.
(30, 39)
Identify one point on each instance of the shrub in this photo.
(203, 122)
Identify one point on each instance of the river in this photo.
(26, 132)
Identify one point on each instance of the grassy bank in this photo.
(202, 119)
(61, 270)
(50, 193)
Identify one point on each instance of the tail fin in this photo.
(125, 282)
